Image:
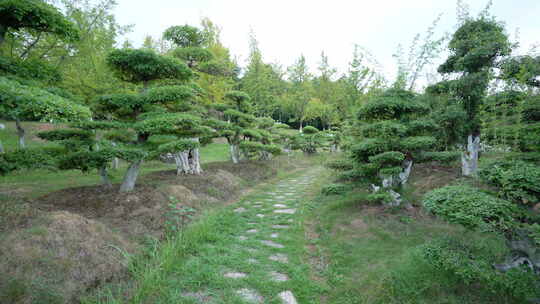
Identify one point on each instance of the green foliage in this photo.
(167, 94)
(442, 157)
(334, 189)
(340, 164)
(176, 146)
(517, 181)
(310, 130)
(29, 159)
(474, 49)
(86, 161)
(30, 69)
(472, 208)
(473, 265)
(184, 36)
(379, 198)
(64, 134)
(142, 66)
(522, 69)
(19, 101)
(36, 15)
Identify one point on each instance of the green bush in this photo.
(473, 265)
(472, 208)
(340, 164)
(517, 181)
(334, 189)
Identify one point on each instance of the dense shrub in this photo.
(334, 189)
(517, 181)
(472, 208)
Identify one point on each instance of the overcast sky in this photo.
(287, 28)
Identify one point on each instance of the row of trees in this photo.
(164, 104)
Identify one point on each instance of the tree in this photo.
(475, 48)
(83, 149)
(393, 136)
(300, 91)
(262, 82)
(35, 15)
(144, 112)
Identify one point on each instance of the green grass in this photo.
(195, 260)
(370, 256)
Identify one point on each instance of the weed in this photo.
(177, 216)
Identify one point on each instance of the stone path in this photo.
(259, 256)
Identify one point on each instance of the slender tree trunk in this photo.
(105, 177)
(469, 157)
(301, 126)
(1, 147)
(21, 133)
(131, 176)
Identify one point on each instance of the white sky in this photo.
(286, 29)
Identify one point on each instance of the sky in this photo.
(285, 29)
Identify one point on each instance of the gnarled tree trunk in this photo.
(399, 180)
(21, 133)
(189, 161)
(469, 158)
(128, 184)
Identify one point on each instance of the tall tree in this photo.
(475, 49)
(300, 91)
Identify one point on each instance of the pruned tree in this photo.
(393, 136)
(308, 140)
(145, 112)
(475, 49)
(84, 150)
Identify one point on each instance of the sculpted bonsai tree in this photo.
(83, 150)
(146, 112)
(475, 49)
(308, 140)
(393, 137)
(248, 137)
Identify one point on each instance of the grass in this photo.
(195, 260)
(35, 183)
(370, 255)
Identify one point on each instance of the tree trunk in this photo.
(235, 153)
(105, 177)
(301, 126)
(3, 31)
(404, 176)
(182, 162)
(266, 155)
(1, 147)
(131, 176)
(115, 162)
(21, 133)
(469, 158)
(196, 161)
